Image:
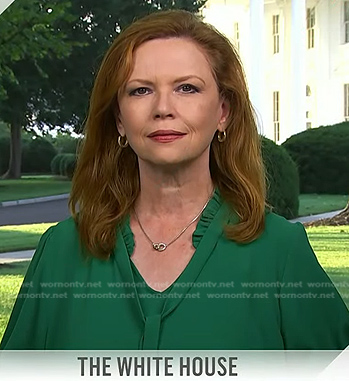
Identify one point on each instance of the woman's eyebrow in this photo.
(180, 79)
(185, 78)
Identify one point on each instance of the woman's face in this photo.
(173, 95)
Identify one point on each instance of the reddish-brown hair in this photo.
(106, 180)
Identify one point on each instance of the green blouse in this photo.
(268, 294)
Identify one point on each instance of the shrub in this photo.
(282, 179)
(56, 164)
(4, 130)
(37, 155)
(69, 165)
(321, 155)
(63, 164)
(65, 143)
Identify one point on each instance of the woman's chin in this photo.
(169, 162)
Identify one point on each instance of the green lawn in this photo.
(11, 277)
(321, 203)
(331, 245)
(21, 237)
(32, 186)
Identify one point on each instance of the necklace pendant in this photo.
(159, 246)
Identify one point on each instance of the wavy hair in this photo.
(106, 180)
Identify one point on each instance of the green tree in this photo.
(50, 87)
(28, 36)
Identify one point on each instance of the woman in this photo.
(173, 246)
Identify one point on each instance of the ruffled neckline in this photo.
(206, 217)
(204, 222)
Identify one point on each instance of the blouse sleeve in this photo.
(313, 314)
(28, 323)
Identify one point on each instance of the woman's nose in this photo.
(163, 105)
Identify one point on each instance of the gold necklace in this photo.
(161, 246)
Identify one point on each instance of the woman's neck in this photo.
(173, 194)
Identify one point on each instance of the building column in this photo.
(298, 67)
(5, 4)
(257, 59)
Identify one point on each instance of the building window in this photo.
(346, 21)
(237, 36)
(276, 37)
(308, 91)
(276, 115)
(310, 27)
(346, 102)
(308, 121)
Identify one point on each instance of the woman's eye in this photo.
(140, 91)
(187, 88)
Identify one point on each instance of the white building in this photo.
(296, 57)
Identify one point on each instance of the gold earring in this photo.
(222, 135)
(122, 145)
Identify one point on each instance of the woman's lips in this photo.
(166, 138)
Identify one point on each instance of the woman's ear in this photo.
(225, 109)
(119, 125)
(120, 129)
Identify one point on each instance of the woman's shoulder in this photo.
(57, 247)
(63, 231)
(280, 228)
(281, 237)
(59, 240)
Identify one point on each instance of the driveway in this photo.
(48, 211)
